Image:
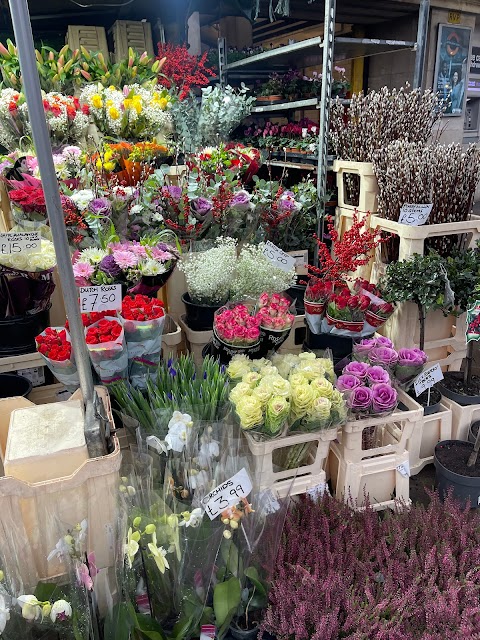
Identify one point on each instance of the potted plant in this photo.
(463, 268)
(254, 599)
(271, 91)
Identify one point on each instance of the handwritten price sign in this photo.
(279, 258)
(415, 214)
(25, 242)
(107, 297)
(427, 379)
(227, 494)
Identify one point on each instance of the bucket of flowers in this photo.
(346, 312)
(55, 347)
(317, 294)
(106, 344)
(276, 314)
(236, 330)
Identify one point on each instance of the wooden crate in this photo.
(130, 33)
(94, 39)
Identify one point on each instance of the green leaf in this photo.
(44, 591)
(119, 624)
(252, 575)
(226, 598)
(181, 628)
(149, 627)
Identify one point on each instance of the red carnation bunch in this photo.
(105, 331)
(54, 344)
(141, 308)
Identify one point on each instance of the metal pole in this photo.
(31, 87)
(222, 61)
(422, 35)
(327, 72)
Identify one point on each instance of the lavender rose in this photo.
(377, 374)
(384, 356)
(201, 206)
(410, 364)
(362, 349)
(241, 201)
(347, 382)
(384, 398)
(109, 266)
(384, 342)
(358, 369)
(360, 399)
(100, 207)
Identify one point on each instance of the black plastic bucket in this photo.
(199, 317)
(18, 333)
(12, 385)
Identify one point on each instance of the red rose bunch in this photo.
(105, 331)
(92, 317)
(29, 199)
(378, 307)
(345, 306)
(54, 344)
(141, 308)
(318, 290)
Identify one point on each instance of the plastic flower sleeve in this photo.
(144, 345)
(109, 358)
(316, 297)
(65, 371)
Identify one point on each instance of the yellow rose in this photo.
(108, 155)
(263, 393)
(320, 411)
(302, 397)
(249, 410)
(127, 103)
(251, 378)
(323, 387)
(97, 101)
(238, 367)
(279, 386)
(239, 390)
(99, 164)
(163, 103)
(114, 113)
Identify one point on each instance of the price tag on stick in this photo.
(107, 297)
(279, 258)
(415, 214)
(427, 379)
(24, 242)
(227, 494)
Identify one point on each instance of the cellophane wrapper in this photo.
(144, 345)
(65, 371)
(110, 359)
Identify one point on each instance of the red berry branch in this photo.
(353, 250)
(183, 70)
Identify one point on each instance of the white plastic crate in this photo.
(377, 479)
(426, 433)
(196, 340)
(270, 457)
(361, 439)
(368, 185)
(301, 485)
(462, 417)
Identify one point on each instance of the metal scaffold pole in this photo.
(422, 34)
(327, 72)
(31, 87)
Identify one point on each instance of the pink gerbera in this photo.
(158, 254)
(83, 270)
(125, 259)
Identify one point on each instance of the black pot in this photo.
(460, 398)
(199, 317)
(463, 487)
(18, 333)
(341, 346)
(297, 293)
(12, 385)
(241, 634)
(225, 352)
(472, 432)
(435, 399)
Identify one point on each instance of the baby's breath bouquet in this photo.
(255, 274)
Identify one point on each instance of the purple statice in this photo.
(109, 266)
(100, 207)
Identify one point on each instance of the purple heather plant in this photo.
(409, 575)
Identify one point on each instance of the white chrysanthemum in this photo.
(92, 255)
(151, 267)
(83, 198)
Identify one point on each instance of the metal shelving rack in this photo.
(283, 58)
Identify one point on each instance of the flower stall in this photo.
(217, 354)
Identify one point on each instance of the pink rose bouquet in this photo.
(236, 326)
(274, 312)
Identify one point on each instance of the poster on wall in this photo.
(452, 66)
